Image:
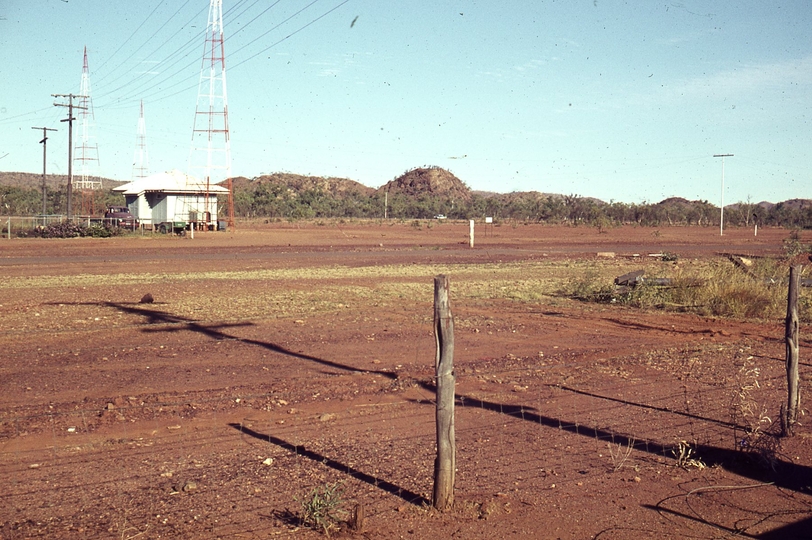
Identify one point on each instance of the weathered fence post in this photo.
(445, 463)
(790, 413)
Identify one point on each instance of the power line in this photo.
(274, 28)
(22, 115)
(157, 93)
(177, 51)
(291, 34)
(130, 38)
(192, 42)
(186, 47)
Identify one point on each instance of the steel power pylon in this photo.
(141, 161)
(86, 152)
(210, 155)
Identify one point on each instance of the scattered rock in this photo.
(268, 461)
(326, 417)
(147, 299)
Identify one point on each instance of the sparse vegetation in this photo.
(715, 288)
(619, 453)
(793, 245)
(590, 288)
(684, 455)
(753, 433)
(323, 508)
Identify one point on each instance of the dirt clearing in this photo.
(283, 357)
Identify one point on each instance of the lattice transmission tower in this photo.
(141, 160)
(86, 151)
(210, 156)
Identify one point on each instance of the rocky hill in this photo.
(432, 181)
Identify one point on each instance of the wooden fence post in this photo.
(445, 463)
(790, 413)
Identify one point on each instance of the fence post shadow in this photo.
(385, 485)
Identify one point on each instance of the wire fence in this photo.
(174, 466)
(14, 226)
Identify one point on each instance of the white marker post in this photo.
(722, 203)
(471, 233)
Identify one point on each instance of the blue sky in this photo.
(620, 100)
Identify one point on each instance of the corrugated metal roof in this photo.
(173, 181)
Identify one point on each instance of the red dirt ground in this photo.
(212, 411)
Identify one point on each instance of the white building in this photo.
(172, 197)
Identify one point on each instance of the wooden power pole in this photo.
(43, 142)
(69, 120)
(445, 462)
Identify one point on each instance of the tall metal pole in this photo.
(69, 120)
(44, 143)
(722, 205)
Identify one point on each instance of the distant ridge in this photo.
(297, 183)
(421, 183)
(52, 181)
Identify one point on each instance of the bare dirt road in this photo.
(280, 358)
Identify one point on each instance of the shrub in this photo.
(64, 229)
(323, 507)
(793, 246)
(67, 229)
(590, 288)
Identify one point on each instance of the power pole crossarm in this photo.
(43, 142)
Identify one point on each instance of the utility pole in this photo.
(44, 145)
(69, 120)
(722, 205)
